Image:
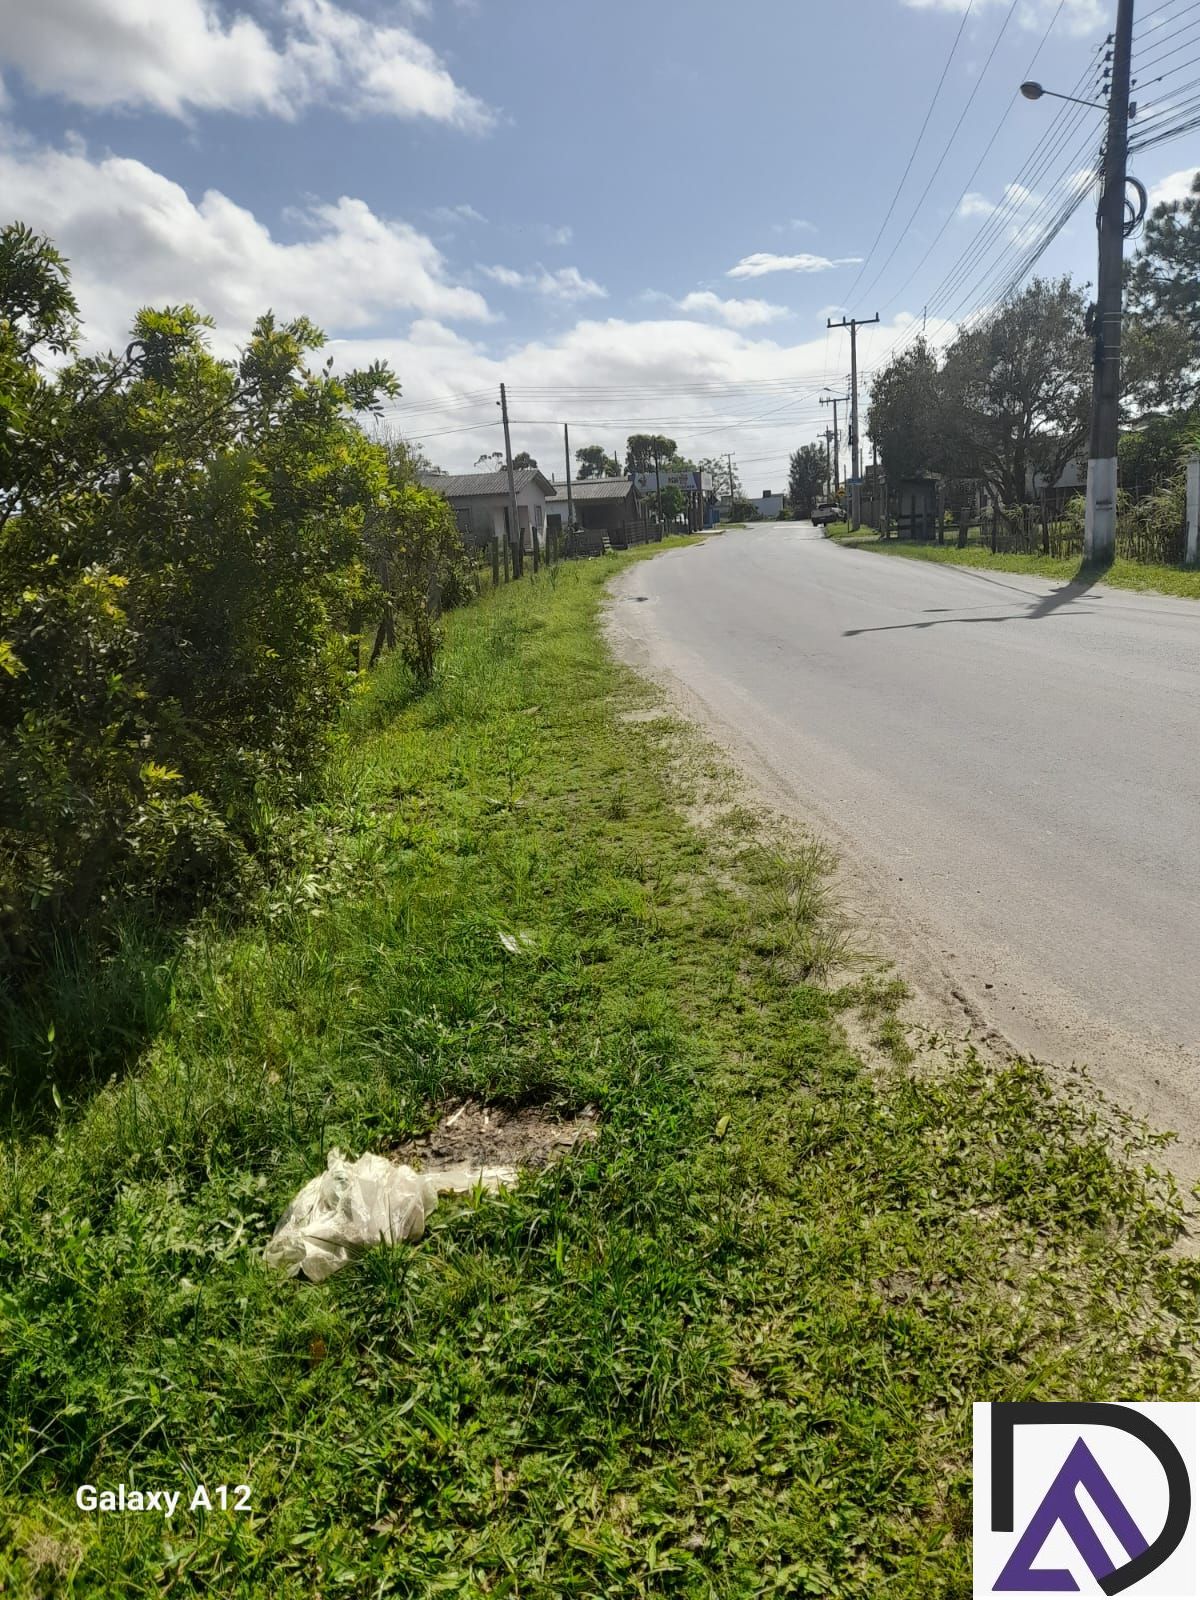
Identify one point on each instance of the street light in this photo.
(1035, 91)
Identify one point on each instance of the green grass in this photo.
(729, 1350)
(1121, 574)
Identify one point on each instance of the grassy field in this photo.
(727, 1350)
(1121, 574)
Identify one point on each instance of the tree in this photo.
(1016, 392)
(647, 452)
(594, 462)
(182, 559)
(726, 479)
(903, 417)
(806, 477)
(491, 461)
(672, 502)
(1162, 350)
(523, 459)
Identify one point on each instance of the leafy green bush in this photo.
(185, 546)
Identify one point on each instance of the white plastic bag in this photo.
(351, 1206)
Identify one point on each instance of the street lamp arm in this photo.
(1034, 91)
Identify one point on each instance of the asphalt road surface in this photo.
(1010, 764)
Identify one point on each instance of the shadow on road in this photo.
(1047, 606)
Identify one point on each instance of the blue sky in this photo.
(637, 215)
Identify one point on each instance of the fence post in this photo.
(505, 551)
(1193, 510)
(495, 543)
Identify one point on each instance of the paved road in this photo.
(1013, 761)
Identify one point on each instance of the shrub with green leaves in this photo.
(182, 556)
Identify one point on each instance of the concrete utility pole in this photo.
(835, 402)
(1100, 524)
(729, 459)
(828, 461)
(514, 532)
(570, 500)
(854, 324)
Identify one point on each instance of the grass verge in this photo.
(727, 1350)
(1149, 577)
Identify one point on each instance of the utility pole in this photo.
(835, 402)
(729, 459)
(514, 532)
(854, 324)
(570, 500)
(828, 461)
(1100, 525)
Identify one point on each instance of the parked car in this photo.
(827, 512)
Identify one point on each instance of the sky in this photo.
(638, 216)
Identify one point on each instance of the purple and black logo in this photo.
(1085, 1498)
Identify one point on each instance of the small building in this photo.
(480, 503)
(768, 505)
(599, 503)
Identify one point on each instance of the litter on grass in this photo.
(351, 1206)
(356, 1204)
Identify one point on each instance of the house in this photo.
(600, 504)
(480, 502)
(768, 505)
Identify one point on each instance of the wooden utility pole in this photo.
(729, 460)
(514, 532)
(570, 499)
(828, 461)
(854, 324)
(839, 400)
(1100, 524)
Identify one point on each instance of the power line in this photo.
(913, 156)
(966, 189)
(949, 145)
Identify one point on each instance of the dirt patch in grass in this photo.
(492, 1145)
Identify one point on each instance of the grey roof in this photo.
(468, 485)
(596, 489)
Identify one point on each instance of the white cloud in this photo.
(1021, 213)
(794, 225)
(1175, 186)
(134, 237)
(126, 54)
(564, 283)
(559, 236)
(737, 313)
(761, 262)
(452, 216)
(1078, 16)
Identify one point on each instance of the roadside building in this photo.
(768, 505)
(599, 504)
(480, 503)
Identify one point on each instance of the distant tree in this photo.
(806, 477)
(1016, 392)
(523, 459)
(493, 461)
(647, 452)
(595, 462)
(673, 502)
(726, 479)
(903, 416)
